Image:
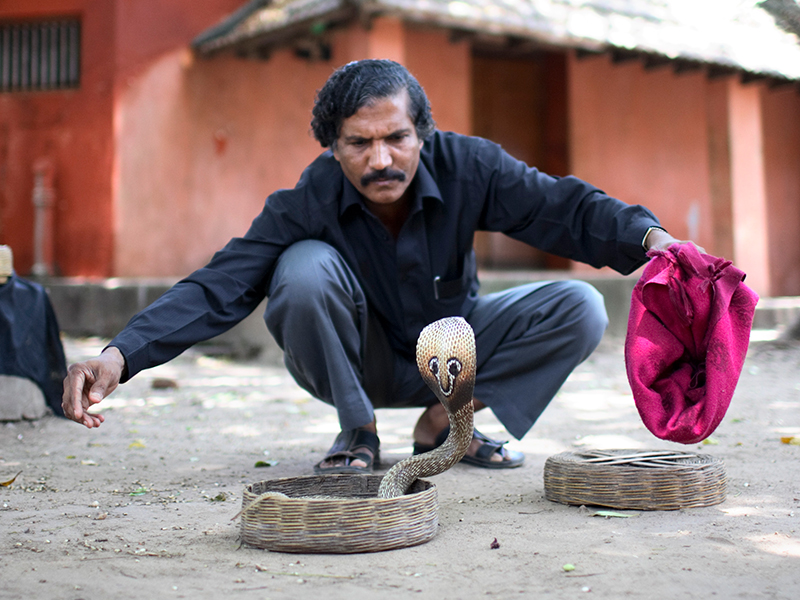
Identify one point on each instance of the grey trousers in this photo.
(528, 340)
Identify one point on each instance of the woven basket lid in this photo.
(6, 262)
(635, 479)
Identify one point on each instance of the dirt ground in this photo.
(142, 507)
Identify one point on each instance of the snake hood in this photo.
(446, 361)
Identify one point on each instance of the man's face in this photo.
(378, 149)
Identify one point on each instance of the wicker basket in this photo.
(633, 479)
(336, 513)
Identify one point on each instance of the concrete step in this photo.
(777, 313)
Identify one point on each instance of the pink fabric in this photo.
(688, 332)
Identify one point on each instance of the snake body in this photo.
(446, 361)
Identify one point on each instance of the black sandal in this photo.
(347, 446)
(483, 457)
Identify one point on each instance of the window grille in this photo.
(41, 55)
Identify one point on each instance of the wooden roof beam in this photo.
(782, 82)
(682, 65)
(621, 56)
(719, 71)
(582, 53)
(752, 77)
(655, 61)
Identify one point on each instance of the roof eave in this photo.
(272, 26)
(304, 17)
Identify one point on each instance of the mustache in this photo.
(386, 174)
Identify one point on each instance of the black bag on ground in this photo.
(30, 345)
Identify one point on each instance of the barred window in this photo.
(40, 55)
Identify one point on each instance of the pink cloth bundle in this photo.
(688, 332)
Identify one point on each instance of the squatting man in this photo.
(373, 243)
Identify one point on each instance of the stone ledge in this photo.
(102, 307)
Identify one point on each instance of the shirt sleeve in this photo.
(561, 215)
(219, 295)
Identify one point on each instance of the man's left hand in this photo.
(659, 239)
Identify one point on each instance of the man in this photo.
(374, 243)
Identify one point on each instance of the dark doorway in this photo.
(520, 102)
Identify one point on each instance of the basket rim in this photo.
(427, 486)
(637, 460)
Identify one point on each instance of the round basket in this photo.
(634, 479)
(336, 513)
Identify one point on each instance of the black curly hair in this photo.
(358, 83)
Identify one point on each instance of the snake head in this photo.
(446, 360)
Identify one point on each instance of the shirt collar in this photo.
(424, 187)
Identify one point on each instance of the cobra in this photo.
(446, 361)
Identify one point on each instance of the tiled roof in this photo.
(732, 33)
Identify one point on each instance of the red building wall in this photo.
(205, 141)
(717, 161)
(641, 136)
(781, 122)
(76, 129)
(73, 130)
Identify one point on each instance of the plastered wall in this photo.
(641, 136)
(204, 142)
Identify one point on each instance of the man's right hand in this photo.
(88, 383)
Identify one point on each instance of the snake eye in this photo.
(433, 365)
(454, 367)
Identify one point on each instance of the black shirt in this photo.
(463, 184)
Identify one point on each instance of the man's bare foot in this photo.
(433, 422)
(354, 451)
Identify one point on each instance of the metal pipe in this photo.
(43, 200)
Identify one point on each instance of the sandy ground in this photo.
(142, 507)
